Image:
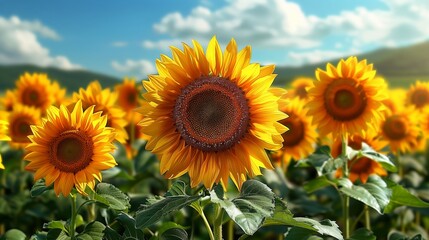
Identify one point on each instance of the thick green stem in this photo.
(367, 218)
(346, 207)
(73, 216)
(209, 230)
(230, 228)
(217, 225)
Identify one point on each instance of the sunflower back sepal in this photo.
(39, 188)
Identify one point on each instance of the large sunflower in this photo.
(3, 136)
(402, 130)
(104, 101)
(70, 149)
(35, 90)
(300, 139)
(418, 95)
(20, 120)
(128, 94)
(360, 167)
(347, 98)
(211, 115)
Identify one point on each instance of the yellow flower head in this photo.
(128, 94)
(347, 99)
(35, 90)
(104, 101)
(362, 167)
(300, 87)
(211, 114)
(9, 100)
(418, 95)
(300, 139)
(20, 120)
(70, 149)
(402, 130)
(396, 100)
(3, 135)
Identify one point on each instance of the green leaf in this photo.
(156, 210)
(322, 160)
(38, 188)
(129, 224)
(178, 188)
(370, 153)
(362, 234)
(55, 224)
(400, 236)
(111, 234)
(92, 231)
(324, 227)
(54, 234)
(174, 234)
(359, 193)
(301, 233)
(318, 183)
(14, 234)
(255, 203)
(39, 236)
(115, 198)
(402, 197)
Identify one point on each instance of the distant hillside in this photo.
(400, 66)
(72, 80)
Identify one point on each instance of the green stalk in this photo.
(217, 225)
(346, 207)
(73, 216)
(367, 218)
(230, 228)
(209, 230)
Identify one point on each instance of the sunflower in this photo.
(20, 120)
(104, 101)
(211, 115)
(70, 149)
(59, 93)
(128, 94)
(402, 130)
(396, 100)
(35, 90)
(360, 167)
(9, 100)
(347, 98)
(300, 87)
(3, 135)
(300, 140)
(418, 95)
(134, 131)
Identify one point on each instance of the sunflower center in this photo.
(345, 100)
(71, 151)
(301, 92)
(420, 98)
(211, 114)
(395, 128)
(132, 97)
(295, 134)
(31, 97)
(20, 130)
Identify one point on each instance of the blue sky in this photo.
(124, 38)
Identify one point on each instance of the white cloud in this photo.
(316, 56)
(136, 68)
(120, 44)
(19, 44)
(283, 25)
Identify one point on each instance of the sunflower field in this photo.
(208, 148)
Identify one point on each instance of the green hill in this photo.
(72, 80)
(401, 67)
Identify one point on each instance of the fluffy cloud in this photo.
(316, 56)
(283, 25)
(134, 68)
(19, 44)
(120, 44)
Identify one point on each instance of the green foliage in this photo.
(112, 197)
(14, 234)
(362, 234)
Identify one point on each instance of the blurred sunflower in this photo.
(70, 149)
(418, 95)
(402, 130)
(134, 131)
(396, 100)
(3, 135)
(300, 139)
(211, 115)
(347, 98)
(20, 120)
(128, 94)
(8, 100)
(59, 93)
(362, 167)
(300, 87)
(104, 101)
(35, 90)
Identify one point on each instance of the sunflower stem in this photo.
(209, 230)
(132, 133)
(346, 209)
(217, 225)
(72, 227)
(367, 218)
(230, 228)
